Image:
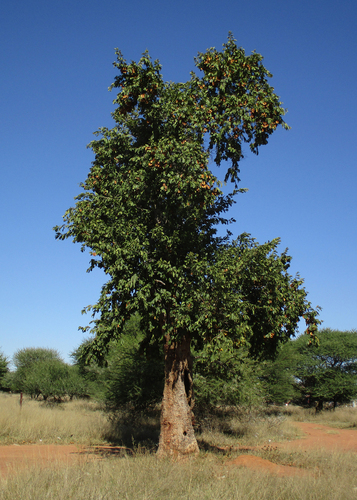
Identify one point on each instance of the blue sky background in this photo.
(55, 68)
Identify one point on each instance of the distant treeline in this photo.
(133, 374)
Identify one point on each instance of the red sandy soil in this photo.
(14, 458)
(323, 437)
(316, 437)
(261, 464)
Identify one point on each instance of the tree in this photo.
(225, 376)
(149, 213)
(46, 379)
(42, 372)
(133, 376)
(93, 373)
(24, 360)
(54, 379)
(127, 375)
(4, 368)
(327, 372)
(278, 375)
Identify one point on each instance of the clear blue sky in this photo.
(56, 65)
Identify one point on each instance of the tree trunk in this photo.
(319, 406)
(177, 437)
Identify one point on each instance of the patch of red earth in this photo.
(316, 436)
(14, 458)
(261, 464)
(323, 437)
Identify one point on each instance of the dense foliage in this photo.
(4, 368)
(126, 375)
(150, 207)
(226, 377)
(301, 373)
(25, 359)
(42, 372)
(327, 372)
(130, 376)
(278, 377)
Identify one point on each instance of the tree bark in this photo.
(177, 437)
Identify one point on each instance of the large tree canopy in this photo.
(327, 371)
(42, 372)
(149, 213)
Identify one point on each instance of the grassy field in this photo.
(144, 477)
(140, 475)
(344, 417)
(80, 422)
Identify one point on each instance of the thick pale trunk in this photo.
(177, 436)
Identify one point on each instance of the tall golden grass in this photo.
(141, 475)
(342, 417)
(80, 422)
(144, 477)
(232, 428)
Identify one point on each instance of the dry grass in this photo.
(343, 417)
(142, 476)
(136, 430)
(80, 422)
(230, 427)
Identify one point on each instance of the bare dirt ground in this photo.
(14, 458)
(316, 436)
(323, 437)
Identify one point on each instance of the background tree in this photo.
(278, 376)
(131, 376)
(327, 372)
(42, 372)
(127, 375)
(53, 379)
(149, 212)
(93, 373)
(225, 376)
(24, 360)
(134, 377)
(4, 368)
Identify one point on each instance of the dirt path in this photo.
(14, 458)
(323, 437)
(316, 437)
